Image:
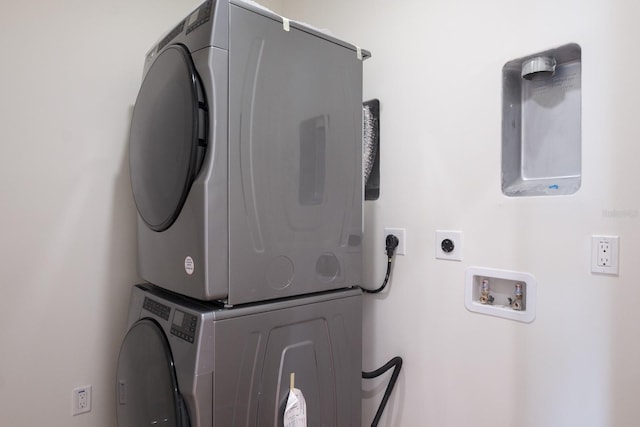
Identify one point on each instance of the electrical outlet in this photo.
(81, 400)
(400, 233)
(605, 254)
(449, 245)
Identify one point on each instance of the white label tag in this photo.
(295, 413)
(189, 266)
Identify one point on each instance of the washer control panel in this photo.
(200, 16)
(184, 326)
(156, 308)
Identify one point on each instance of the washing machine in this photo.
(246, 157)
(185, 362)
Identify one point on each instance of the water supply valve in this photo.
(517, 303)
(485, 297)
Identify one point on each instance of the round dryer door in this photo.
(146, 386)
(168, 137)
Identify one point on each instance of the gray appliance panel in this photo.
(295, 161)
(236, 371)
(298, 25)
(199, 235)
(276, 209)
(319, 342)
(206, 26)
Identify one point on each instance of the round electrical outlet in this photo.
(447, 245)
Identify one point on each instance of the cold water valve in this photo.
(516, 303)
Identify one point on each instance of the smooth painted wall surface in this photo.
(436, 68)
(275, 5)
(69, 78)
(70, 74)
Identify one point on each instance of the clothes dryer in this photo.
(188, 363)
(246, 157)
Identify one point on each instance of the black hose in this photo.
(396, 363)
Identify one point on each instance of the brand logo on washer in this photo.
(189, 266)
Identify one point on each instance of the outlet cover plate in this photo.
(81, 400)
(605, 254)
(456, 238)
(401, 234)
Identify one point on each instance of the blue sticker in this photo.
(553, 187)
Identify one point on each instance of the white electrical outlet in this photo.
(81, 400)
(605, 254)
(400, 233)
(449, 245)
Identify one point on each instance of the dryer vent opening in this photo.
(539, 68)
(541, 123)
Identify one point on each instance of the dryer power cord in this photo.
(391, 243)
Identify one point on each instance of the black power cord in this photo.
(396, 363)
(391, 243)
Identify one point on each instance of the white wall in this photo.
(69, 77)
(275, 5)
(436, 68)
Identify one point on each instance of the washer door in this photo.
(146, 386)
(168, 137)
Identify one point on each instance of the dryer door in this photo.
(168, 137)
(146, 386)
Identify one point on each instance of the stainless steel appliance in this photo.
(191, 363)
(246, 157)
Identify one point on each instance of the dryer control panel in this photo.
(184, 325)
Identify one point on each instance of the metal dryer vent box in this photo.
(541, 123)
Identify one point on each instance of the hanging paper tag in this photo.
(285, 24)
(295, 413)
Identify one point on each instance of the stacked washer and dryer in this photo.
(246, 170)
